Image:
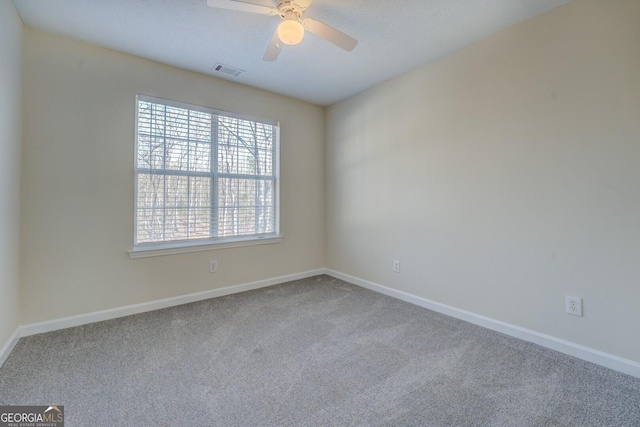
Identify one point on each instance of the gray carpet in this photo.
(313, 352)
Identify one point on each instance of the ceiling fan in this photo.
(291, 30)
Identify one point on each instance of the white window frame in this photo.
(143, 250)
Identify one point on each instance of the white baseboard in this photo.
(98, 316)
(610, 361)
(8, 346)
(607, 360)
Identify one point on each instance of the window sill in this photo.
(147, 251)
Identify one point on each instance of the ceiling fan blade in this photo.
(243, 6)
(273, 50)
(328, 33)
(302, 3)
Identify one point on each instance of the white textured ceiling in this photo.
(394, 36)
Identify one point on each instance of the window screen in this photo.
(203, 174)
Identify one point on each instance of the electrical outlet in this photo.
(396, 266)
(213, 266)
(574, 305)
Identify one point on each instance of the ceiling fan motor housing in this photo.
(291, 8)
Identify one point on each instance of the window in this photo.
(203, 176)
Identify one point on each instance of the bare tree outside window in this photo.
(201, 174)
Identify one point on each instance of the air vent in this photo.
(225, 69)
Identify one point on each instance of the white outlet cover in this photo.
(573, 305)
(396, 266)
(213, 266)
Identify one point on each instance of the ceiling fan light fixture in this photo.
(290, 31)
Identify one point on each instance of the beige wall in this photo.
(504, 177)
(77, 198)
(11, 39)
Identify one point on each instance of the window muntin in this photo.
(203, 175)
